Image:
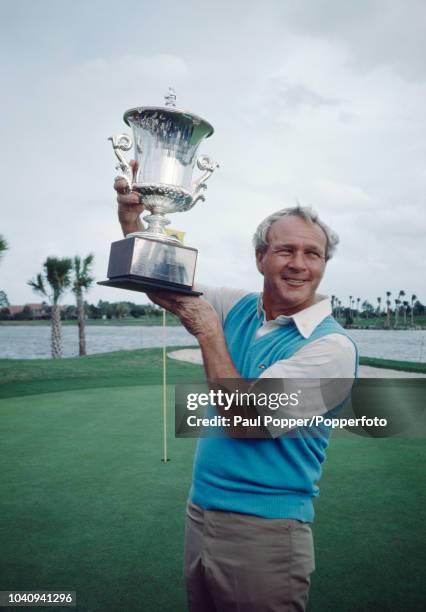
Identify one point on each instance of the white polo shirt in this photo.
(332, 356)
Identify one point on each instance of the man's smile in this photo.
(295, 282)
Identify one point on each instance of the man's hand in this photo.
(129, 206)
(195, 314)
(201, 320)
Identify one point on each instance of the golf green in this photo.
(88, 505)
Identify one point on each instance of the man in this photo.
(248, 541)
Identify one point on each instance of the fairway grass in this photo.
(87, 504)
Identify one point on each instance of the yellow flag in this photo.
(175, 233)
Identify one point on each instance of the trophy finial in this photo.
(170, 97)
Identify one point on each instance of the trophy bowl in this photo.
(165, 142)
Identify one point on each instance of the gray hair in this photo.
(260, 238)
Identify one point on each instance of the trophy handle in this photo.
(198, 187)
(123, 142)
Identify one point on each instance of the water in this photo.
(31, 342)
(405, 345)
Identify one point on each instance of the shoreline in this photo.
(370, 367)
(153, 322)
(193, 355)
(173, 322)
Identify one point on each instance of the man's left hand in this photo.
(195, 314)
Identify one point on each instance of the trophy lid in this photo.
(137, 114)
(132, 115)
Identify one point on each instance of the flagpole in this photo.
(179, 235)
(165, 458)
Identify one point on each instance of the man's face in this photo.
(292, 265)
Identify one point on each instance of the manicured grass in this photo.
(139, 367)
(391, 364)
(369, 527)
(87, 504)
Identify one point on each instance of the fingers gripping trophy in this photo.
(165, 142)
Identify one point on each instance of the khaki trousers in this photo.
(239, 562)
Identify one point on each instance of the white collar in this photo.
(306, 320)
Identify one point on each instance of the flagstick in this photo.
(165, 458)
(179, 235)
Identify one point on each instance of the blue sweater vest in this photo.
(271, 478)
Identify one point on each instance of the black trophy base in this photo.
(147, 285)
(148, 265)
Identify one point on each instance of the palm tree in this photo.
(413, 299)
(357, 309)
(397, 304)
(57, 277)
(350, 306)
(3, 245)
(388, 310)
(336, 307)
(81, 283)
(400, 295)
(4, 302)
(405, 306)
(379, 301)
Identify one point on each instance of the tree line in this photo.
(60, 275)
(393, 313)
(57, 277)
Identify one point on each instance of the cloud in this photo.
(317, 101)
(120, 71)
(296, 96)
(374, 32)
(343, 198)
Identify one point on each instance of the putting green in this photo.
(88, 505)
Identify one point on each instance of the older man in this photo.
(248, 541)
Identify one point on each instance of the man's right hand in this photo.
(129, 206)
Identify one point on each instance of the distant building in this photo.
(39, 311)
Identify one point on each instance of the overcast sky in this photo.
(319, 101)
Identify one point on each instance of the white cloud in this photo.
(321, 102)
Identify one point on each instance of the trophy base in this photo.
(146, 285)
(145, 264)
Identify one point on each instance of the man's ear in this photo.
(259, 260)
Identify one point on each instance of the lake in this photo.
(31, 342)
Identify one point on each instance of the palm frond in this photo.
(82, 270)
(38, 285)
(58, 275)
(3, 245)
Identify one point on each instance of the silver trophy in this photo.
(165, 141)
